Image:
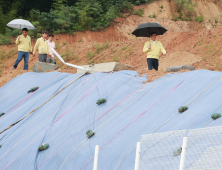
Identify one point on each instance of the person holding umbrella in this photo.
(24, 48)
(151, 47)
(23, 41)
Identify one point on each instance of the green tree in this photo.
(57, 4)
(5, 18)
(64, 16)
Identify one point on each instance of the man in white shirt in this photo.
(51, 44)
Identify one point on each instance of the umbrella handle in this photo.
(150, 44)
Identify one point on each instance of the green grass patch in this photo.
(123, 48)
(139, 12)
(90, 55)
(64, 43)
(97, 47)
(199, 19)
(106, 45)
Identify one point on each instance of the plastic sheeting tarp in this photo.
(118, 123)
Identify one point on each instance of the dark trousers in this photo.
(42, 57)
(22, 54)
(50, 60)
(152, 63)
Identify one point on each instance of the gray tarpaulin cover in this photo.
(118, 124)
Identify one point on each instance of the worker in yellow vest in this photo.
(24, 48)
(153, 49)
(42, 46)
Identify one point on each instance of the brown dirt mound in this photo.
(187, 43)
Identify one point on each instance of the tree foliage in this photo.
(84, 15)
(63, 16)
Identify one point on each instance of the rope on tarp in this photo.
(52, 107)
(42, 104)
(214, 116)
(48, 118)
(191, 101)
(109, 120)
(99, 126)
(177, 152)
(184, 107)
(51, 124)
(135, 120)
(87, 111)
(87, 127)
(25, 98)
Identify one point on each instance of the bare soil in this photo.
(187, 43)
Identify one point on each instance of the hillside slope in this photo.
(192, 43)
(132, 109)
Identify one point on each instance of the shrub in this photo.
(106, 45)
(123, 48)
(67, 16)
(91, 61)
(97, 47)
(186, 7)
(139, 12)
(180, 15)
(5, 40)
(138, 2)
(199, 19)
(116, 59)
(12, 32)
(175, 18)
(130, 50)
(2, 54)
(57, 45)
(90, 55)
(66, 55)
(161, 6)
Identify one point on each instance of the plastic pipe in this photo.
(96, 157)
(68, 64)
(182, 158)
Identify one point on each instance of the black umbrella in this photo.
(144, 30)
